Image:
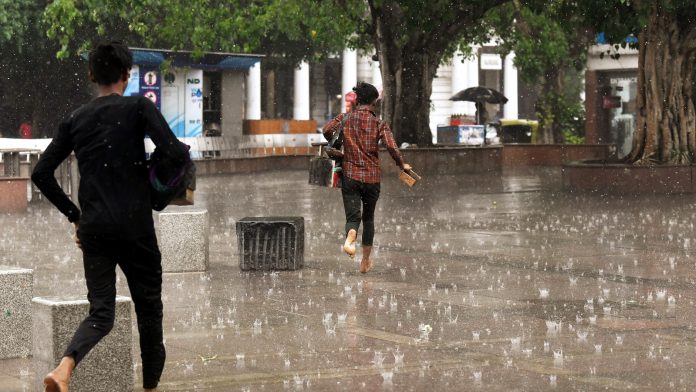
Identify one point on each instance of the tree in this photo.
(666, 124)
(550, 41)
(411, 37)
(666, 119)
(36, 85)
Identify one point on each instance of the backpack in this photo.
(171, 181)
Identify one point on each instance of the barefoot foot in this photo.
(349, 245)
(59, 379)
(53, 383)
(365, 265)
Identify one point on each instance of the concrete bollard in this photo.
(271, 243)
(183, 240)
(16, 287)
(108, 367)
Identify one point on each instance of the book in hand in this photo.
(409, 177)
(184, 199)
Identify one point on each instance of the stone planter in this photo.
(446, 160)
(614, 178)
(517, 155)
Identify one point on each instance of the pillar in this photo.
(464, 75)
(350, 73)
(377, 76)
(253, 92)
(301, 100)
(510, 109)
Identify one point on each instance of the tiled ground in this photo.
(496, 282)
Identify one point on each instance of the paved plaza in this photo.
(495, 282)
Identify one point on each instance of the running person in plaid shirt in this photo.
(362, 132)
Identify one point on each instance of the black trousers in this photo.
(140, 261)
(358, 194)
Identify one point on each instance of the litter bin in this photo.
(517, 131)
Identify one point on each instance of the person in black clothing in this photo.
(114, 224)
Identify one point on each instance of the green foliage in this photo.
(550, 40)
(570, 120)
(546, 37)
(292, 30)
(14, 21)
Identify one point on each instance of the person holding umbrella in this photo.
(480, 96)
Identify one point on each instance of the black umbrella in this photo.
(479, 94)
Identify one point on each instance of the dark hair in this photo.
(108, 62)
(366, 92)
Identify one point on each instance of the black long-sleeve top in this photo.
(107, 135)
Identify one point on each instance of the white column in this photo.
(301, 101)
(510, 109)
(253, 92)
(376, 76)
(350, 74)
(464, 75)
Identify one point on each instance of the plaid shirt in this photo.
(362, 132)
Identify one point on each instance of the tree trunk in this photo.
(547, 107)
(407, 86)
(410, 52)
(407, 79)
(666, 119)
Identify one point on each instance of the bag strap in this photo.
(339, 132)
(343, 124)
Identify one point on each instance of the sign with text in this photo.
(491, 61)
(173, 108)
(193, 103)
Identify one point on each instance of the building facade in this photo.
(199, 95)
(317, 91)
(611, 86)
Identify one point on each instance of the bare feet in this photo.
(59, 379)
(52, 383)
(365, 265)
(349, 245)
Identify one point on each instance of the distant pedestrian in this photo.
(113, 225)
(25, 130)
(360, 187)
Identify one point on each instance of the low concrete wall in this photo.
(447, 160)
(443, 160)
(251, 165)
(629, 179)
(516, 155)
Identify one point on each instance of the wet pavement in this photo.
(483, 282)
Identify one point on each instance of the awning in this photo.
(144, 57)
